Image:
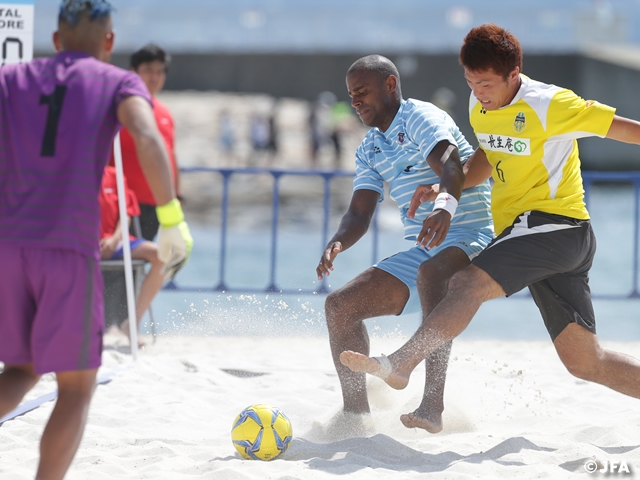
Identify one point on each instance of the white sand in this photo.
(512, 411)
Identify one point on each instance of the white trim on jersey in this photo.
(472, 102)
(521, 229)
(555, 159)
(538, 96)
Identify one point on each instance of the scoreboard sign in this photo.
(16, 31)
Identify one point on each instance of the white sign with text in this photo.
(16, 31)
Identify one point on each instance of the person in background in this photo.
(111, 243)
(227, 137)
(319, 122)
(274, 136)
(151, 63)
(342, 123)
(58, 118)
(260, 135)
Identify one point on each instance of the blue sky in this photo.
(338, 26)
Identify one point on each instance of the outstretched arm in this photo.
(624, 130)
(353, 226)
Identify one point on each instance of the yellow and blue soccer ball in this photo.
(261, 432)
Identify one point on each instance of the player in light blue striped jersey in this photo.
(420, 152)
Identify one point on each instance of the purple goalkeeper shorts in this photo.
(51, 309)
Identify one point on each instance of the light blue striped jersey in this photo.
(399, 157)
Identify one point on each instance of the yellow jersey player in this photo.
(527, 132)
(531, 145)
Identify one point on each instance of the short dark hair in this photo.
(490, 47)
(375, 63)
(150, 53)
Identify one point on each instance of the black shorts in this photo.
(552, 255)
(149, 223)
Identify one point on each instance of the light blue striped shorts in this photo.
(404, 265)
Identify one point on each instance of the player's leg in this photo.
(537, 246)
(18, 311)
(583, 356)
(565, 304)
(67, 337)
(564, 300)
(502, 268)
(15, 382)
(373, 293)
(468, 290)
(432, 282)
(65, 427)
(428, 415)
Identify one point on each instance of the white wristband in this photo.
(446, 201)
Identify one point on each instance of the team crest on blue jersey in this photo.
(520, 123)
(401, 138)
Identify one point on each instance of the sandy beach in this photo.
(512, 411)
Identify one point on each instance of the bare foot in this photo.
(358, 362)
(411, 420)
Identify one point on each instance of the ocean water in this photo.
(300, 245)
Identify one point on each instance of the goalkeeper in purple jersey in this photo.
(58, 118)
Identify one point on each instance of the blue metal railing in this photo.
(589, 178)
(328, 176)
(277, 174)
